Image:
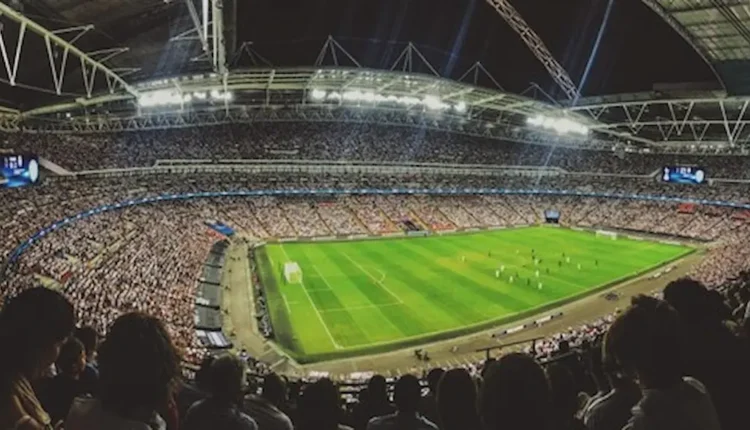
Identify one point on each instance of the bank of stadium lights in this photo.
(560, 125)
(430, 102)
(174, 97)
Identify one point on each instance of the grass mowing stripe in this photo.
(377, 281)
(472, 284)
(371, 295)
(408, 320)
(439, 295)
(345, 329)
(320, 317)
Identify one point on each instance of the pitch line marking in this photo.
(379, 282)
(283, 296)
(317, 311)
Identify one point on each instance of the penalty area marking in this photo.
(315, 308)
(377, 281)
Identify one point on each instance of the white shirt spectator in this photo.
(686, 406)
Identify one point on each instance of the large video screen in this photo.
(19, 170)
(683, 174)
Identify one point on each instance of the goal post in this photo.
(606, 234)
(292, 273)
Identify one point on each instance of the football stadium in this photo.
(371, 215)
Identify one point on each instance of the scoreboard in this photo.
(683, 174)
(19, 170)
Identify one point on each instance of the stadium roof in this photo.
(149, 45)
(146, 39)
(717, 29)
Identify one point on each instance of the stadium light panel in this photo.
(559, 125)
(317, 94)
(432, 102)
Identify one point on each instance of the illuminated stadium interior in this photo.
(339, 190)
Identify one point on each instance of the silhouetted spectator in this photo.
(192, 391)
(428, 405)
(612, 410)
(57, 394)
(599, 378)
(373, 402)
(90, 340)
(406, 396)
(515, 395)
(33, 328)
(266, 408)
(457, 401)
(138, 367)
(564, 397)
(319, 407)
(221, 410)
(714, 356)
(646, 341)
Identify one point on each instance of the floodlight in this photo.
(317, 94)
(432, 102)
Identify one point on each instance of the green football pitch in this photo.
(368, 296)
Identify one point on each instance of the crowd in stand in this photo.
(674, 362)
(345, 142)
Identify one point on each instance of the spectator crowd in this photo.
(346, 142)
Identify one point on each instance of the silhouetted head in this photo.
(138, 365)
(319, 406)
(203, 375)
(457, 401)
(72, 358)
(90, 340)
(564, 392)
(34, 325)
(433, 378)
(377, 389)
(646, 341)
(274, 389)
(406, 394)
(515, 395)
(689, 298)
(227, 380)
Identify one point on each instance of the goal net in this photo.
(292, 273)
(603, 233)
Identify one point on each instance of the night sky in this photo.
(637, 48)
